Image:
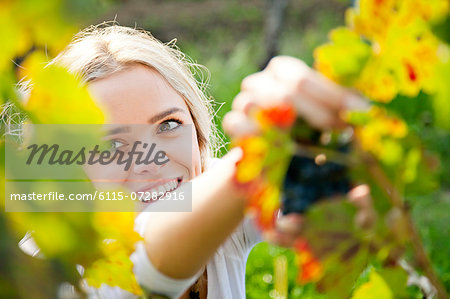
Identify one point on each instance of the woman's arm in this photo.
(179, 244)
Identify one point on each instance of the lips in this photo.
(159, 189)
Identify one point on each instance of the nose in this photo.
(145, 168)
(144, 163)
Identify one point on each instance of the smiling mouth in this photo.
(158, 191)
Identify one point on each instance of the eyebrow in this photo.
(118, 130)
(163, 114)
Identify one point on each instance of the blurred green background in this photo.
(229, 37)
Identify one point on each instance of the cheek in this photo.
(184, 151)
(105, 177)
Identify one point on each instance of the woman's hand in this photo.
(317, 100)
(288, 80)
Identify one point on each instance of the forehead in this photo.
(134, 95)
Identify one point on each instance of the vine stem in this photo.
(397, 201)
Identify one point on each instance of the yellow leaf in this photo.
(15, 40)
(57, 97)
(115, 269)
(411, 162)
(391, 152)
(122, 230)
(375, 288)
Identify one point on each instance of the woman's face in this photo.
(140, 105)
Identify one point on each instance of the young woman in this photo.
(139, 80)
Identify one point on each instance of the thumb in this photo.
(234, 155)
(227, 163)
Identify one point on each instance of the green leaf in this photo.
(396, 279)
(441, 29)
(441, 100)
(340, 247)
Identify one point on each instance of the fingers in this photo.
(228, 162)
(314, 85)
(244, 103)
(279, 238)
(237, 125)
(287, 230)
(287, 80)
(270, 93)
(316, 114)
(234, 155)
(360, 197)
(290, 223)
(365, 218)
(265, 90)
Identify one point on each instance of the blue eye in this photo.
(116, 145)
(168, 126)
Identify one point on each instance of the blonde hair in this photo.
(99, 51)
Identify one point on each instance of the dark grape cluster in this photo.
(306, 181)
